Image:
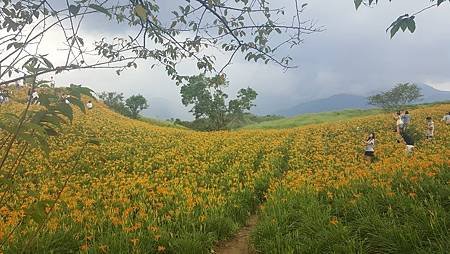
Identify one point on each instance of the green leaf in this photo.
(9, 122)
(78, 103)
(65, 110)
(411, 24)
(29, 139)
(74, 9)
(37, 210)
(51, 131)
(100, 9)
(94, 141)
(6, 181)
(395, 29)
(34, 128)
(48, 63)
(403, 24)
(141, 12)
(53, 120)
(46, 99)
(37, 214)
(439, 2)
(357, 3)
(77, 90)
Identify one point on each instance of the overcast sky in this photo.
(353, 55)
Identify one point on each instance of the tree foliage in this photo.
(397, 97)
(209, 101)
(403, 22)
(136, 103)
(163, 33)
(129, 107)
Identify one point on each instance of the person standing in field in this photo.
(446, 118)
(65, 99)
(430, 128)
(369, 151)
(399, 122)
(409, 142)
(406, 118)
(34, 97)
(52, 82)
(2, 97)
(89, 105)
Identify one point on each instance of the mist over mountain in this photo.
(332, 103)
(431, 94)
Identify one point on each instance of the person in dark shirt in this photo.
(409, 142)
(406, 118)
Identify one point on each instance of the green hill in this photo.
(160, 123)
(313, 118)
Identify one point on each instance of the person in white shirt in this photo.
(89, 105)
(446, 118)
(34, 97)
(52, 82)
(66, 99)
(399, 122)
(369, 151)
(430, 128)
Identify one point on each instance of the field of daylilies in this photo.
(149, 189)
(332, 201)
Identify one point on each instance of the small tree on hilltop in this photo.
(209, 101)
(397, 97)
(115, 101)
(244, 101)
(136, 104)
(111, 98)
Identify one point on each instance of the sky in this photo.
(353, 55)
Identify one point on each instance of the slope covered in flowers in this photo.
(332, 201)
(144, 188)
(152, 189)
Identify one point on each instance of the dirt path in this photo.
(240, 243)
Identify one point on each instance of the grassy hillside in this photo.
(152, 189)
(160, 123)
(314, 118)
(327, 117)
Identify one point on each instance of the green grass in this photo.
(299, 222)
(313, 118)
(324, 117)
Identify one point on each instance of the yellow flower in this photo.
(334, 220)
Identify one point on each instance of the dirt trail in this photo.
(240, 243)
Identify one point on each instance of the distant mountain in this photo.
(349, 101)
(333, 103)
(431, 94)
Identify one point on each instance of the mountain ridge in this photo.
(344, 101)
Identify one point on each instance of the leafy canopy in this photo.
(129, 107)
(165, 34)
(136, 103)
(397, 97)
(403, 22)
(208, 100)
